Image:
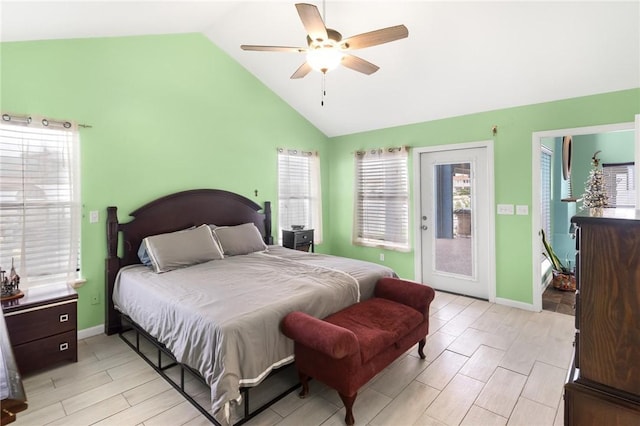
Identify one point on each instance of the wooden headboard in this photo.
(168, 214)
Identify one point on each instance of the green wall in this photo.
(169, 113)
(175, 112)
(512, 157)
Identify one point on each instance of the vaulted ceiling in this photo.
(459, 58)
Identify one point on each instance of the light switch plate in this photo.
(93, 216)
(505, 208)
(522, 210)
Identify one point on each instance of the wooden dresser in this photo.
(603, 387)
(43, 327)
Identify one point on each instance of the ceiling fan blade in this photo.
(312, 21)
(359, 64)
(273, 48)
(303, 70)
(373, 38)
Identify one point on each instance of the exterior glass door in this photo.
(454, 214)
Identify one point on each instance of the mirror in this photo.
(566, 157)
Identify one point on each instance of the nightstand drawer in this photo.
(303, 237)
(28, 325)
(46, 352)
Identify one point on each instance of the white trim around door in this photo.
(416, 152)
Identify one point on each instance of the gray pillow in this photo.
(182, 248)
(240, 239)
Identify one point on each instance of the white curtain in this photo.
(299, 191)
(381, 208)
(40, 199)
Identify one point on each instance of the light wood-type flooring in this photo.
(486, 365)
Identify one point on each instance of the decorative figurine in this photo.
(10, 284)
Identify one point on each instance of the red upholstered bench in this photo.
(346, 349)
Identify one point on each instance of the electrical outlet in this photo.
(95, 299)
(94, 216)
(522, 210)
(381, 257)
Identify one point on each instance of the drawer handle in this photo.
(64, 317)
(64, 346)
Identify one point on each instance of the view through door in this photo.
(454, 221)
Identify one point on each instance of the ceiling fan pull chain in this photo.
(324, 90)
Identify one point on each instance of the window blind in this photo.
(382, 199)
(299, 195)
(39, 208)
(619, 181)
(545, 190)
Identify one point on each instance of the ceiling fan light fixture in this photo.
(324, 59)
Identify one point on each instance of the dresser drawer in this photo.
(586, 406)
(46, 352)
(29, 325)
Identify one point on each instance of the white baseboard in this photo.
(515, 304)
(90, 332)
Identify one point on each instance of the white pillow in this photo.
(182, 248)
(240, 239)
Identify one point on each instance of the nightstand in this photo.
(298, 240)
(43, 327)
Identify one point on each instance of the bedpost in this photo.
(268, 238)
(111, 265)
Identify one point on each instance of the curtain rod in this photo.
(296, 152)
(381, 150)
(45, 122)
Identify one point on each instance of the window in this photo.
(299, 199)
(382, 199)
(545, 191)
(619, 182)
(39, 203)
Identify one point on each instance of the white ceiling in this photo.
(459, 58)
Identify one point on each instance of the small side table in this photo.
(42, 327)
(298, 240)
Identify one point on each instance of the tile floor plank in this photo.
(442, 370)
(545, 384)
(501, 392)
(455, 400)
(94, 413)
(407, 407)
(527, 413)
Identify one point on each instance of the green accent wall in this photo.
(174, 112)
(169, 113)
(512, 160)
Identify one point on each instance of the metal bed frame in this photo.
(180, 387)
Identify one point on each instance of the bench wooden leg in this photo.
(304, 379)
(421, 344)
(348, 405)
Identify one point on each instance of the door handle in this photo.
(424, 227)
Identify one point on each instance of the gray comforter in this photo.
(222, 317)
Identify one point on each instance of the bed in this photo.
(220, 318)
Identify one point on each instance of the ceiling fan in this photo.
(325, 47)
